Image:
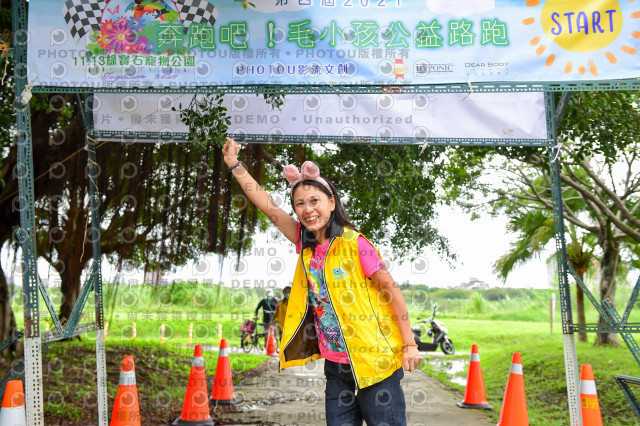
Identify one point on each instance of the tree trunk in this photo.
(7, 318)
(582, 337)
(299, 155)
(581, 271)
(608, 271)
(70, 288)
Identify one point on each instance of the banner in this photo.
(420, 116)
(156, 43)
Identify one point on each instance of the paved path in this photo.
(296, 397)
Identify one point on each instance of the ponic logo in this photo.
(423, 68)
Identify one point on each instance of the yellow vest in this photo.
(367, 322)
(280, 315)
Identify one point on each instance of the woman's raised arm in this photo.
(258, 196)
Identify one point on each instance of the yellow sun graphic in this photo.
(581, 26)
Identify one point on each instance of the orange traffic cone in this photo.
(271, 343)
(195, 410)
(514, 404)
(591, 415)
(126, 411)
(12, 412)
(474, 394)
(223, 382)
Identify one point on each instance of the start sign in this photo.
(582, 26)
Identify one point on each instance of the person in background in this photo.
(281, 311)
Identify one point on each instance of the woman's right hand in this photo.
(230, 151)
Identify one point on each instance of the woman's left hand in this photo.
(411, 358)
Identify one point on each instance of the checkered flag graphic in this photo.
(83, 16)
(197, 12)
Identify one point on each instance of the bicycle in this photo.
(250, 338)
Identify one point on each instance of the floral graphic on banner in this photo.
(140, 27)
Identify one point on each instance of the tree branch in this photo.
(588, 196)
(614, 197)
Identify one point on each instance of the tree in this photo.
(390, 194)
(158, 209)
(534, 229)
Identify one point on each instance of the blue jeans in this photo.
(381, 404)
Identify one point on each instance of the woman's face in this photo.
(313, 207)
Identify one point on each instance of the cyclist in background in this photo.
(268, 305)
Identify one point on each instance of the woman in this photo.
(344, 305)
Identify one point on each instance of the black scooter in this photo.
(437, 331)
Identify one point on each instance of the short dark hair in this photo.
(337, 221)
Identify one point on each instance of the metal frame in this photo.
(480, 87)
(156, 137)
(623, 382)
(35, 342)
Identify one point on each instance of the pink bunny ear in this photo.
(291, 173)
(310, 170)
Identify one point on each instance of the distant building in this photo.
(153, 277)
(474, 284)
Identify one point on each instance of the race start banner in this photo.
(187, 43)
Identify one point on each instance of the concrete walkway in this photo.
(296, 397)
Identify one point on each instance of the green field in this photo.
(499, 321)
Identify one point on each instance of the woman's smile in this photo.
(312, 219)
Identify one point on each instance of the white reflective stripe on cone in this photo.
(198, 361)
(475, 357)
(127, 378)
(588, 387)
(516, 369)
(223, 352)
(14, 416)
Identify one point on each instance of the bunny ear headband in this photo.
(308, 171)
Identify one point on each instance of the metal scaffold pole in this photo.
(30, 290)
(96, 275)
(568, 336)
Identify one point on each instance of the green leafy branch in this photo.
(207, 119)
(274, 97)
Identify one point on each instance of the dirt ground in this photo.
(296, 397)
